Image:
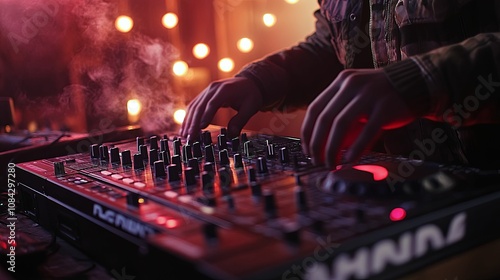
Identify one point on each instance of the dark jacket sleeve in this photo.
(292, 78)
(459, 83)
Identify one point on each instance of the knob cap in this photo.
(153, 143)
(94, 151)
(207, 180)
(59, 168)
(143, 150)
(206, 138)
(126, 158)
(186, 152)
(139, 142)
(222, 141)
(164, 145)
(262, 165)
(176, 159)
(235, 145)
(238, 161)
(248, 149)
(225, 180)
(270, 151)
(269, 204)
(173, 174)
(189, 176)
(193, 164)
(159, 167)
(209, 154)
(153, 156)
(115, 155)
(284, 156)
(224, 157)
(177, 147)
(197, 153)
(256, 189)
(138, 162)
(165, 156)
(252, 177)
(244, 137)
(103, 152)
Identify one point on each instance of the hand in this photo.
(239, 93)
(352, 112)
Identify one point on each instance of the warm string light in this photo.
(292, 1)
(170, 20)
(179, 116)
(245, 45)
(201, 51)
(180, 68)
(269, 19)
(226, 64)
(124, 24)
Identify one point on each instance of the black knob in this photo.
(224, 157)
(177, 147)
(291, 233)
(256, 189)
(133, 200)
(252, 177)
(244, 137)
(223, 131)
(197, 153)
(270, 151)
(230, 201)
(115, 155)
(159, 167)
(269, 204)
(300, 198)
(165, 156)
(153, 156)
(189, 176)
(173, 174)
(209, 154)
(209, 167)
(139, 142)
(143, 150)
(153, 143)
(103, 152)
(235, 145)
(164, 145)
(206, 138)
(284, 156)
(225, 180)
(248, 150)
(186, 152)
(222, 141)
(94, 151)
(207, 180)
(59, 168)
(262, 165)
(126, 158)
(138, 162)
(193, 164)
(176, 159)
(238, 161)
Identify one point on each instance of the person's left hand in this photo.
(350, 113)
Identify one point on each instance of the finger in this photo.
(189, 116)
(316, 107)
(220, 97)
(238, 121)
(194, 122)
(342, 130)
(367, 137)
(324, 123)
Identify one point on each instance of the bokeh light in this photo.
(169, 20)
(201, 50)
(226, 64)
(124, 24)
(245, 45)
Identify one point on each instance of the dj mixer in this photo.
(255, 207)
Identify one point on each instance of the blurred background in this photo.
(80, 65)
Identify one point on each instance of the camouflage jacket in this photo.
(440, 54)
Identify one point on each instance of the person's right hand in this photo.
(239, 93)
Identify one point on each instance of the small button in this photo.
(353, 17)
(127, 180)
(106, 173)
(139, 184)
(116, 176)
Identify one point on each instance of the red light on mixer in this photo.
(171, 223)
(397, 214)
(379, 172)
(161, 220)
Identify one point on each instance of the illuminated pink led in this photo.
(397, 214)
(379, 172)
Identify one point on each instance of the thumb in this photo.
(239, 120)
